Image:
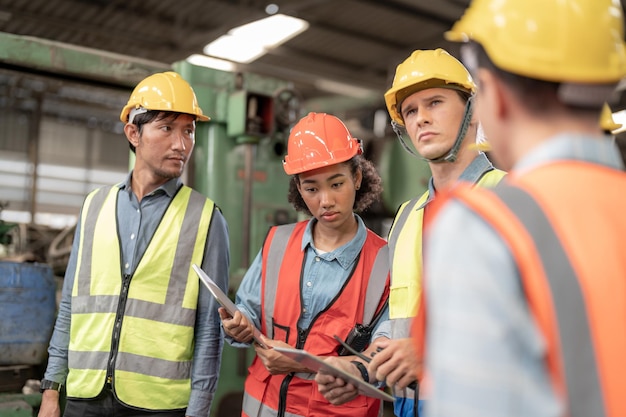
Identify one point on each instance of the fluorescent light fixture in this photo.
(246, 43)
(207, 61)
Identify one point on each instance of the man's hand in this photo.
(394, 362)
(49, 404)
(336, 390)
(238, 327)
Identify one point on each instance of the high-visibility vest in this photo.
(405, 249)
(564, 223)
(364, 293)
(140, 328)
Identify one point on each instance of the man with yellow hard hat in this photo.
(525, 308)
(136, 334)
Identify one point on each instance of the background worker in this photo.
(528, 319)
(316, 278)
(136, 335)
(430, 100)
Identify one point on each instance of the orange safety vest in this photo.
(565, 225)
(365, 292)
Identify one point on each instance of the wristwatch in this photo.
(47, 384)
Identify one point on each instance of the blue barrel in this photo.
(27, 312)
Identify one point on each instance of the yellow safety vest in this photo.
(405, 249)
(145, 339)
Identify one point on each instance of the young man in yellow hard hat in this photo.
(136, 333)
(430, 101)
(525, 308)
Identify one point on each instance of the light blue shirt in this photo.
(485, 355)
(137, 222)
(324, 276)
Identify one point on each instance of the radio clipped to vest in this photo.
(359, 337)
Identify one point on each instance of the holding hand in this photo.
(238, 327)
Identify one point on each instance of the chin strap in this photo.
(449, 156)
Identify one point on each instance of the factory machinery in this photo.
(237, 162)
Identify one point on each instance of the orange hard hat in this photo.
(319, 140)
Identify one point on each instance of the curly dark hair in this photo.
(369, 192)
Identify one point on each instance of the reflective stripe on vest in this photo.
(283, 263)
(151, 371)
(278, 246)
(405, 248)
(566, 237)
(577, 351)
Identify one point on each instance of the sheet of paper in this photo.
(317, 364)
(223, 299)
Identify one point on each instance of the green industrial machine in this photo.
(238, 163)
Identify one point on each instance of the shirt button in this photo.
(304, 310)
(317, 259)
(132, 236)
(308, 284)
(137, 210)
(126, 266)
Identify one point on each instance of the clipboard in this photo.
(317, 364)
(224, 301)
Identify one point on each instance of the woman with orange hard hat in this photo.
(313, 280)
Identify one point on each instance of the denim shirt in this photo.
(137, 222)
(325, 274)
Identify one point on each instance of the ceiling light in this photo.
(207, 61)
(246, 43)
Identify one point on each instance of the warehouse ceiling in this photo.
(351, 47)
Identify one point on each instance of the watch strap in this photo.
(47, 384)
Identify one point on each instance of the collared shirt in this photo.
(324, 276)
(137, 222)
(472, 174)
(485, 355)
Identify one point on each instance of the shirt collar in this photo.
(169, 188)
(472, 174)
(593, 149)
(346, 254)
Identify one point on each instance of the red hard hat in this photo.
(319, 140)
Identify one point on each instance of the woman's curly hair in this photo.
(369, 192)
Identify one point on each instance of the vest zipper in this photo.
(117, 327)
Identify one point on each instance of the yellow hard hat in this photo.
(575, 41)
(166, 91)
(606, 120)
(422, 70)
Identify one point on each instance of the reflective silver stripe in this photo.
(187, 239)
(132, 363)
(88, 233)
(376, 284)
(401, 328)
(306, 376)
(580, 367)
(254, 408)
(272, 269)
(134, 308)
(392, 240)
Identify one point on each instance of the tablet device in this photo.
(317, 364)
(224, 301)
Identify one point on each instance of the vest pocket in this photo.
(280, 332)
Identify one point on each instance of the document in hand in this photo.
(224, 301)
(318, 364)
